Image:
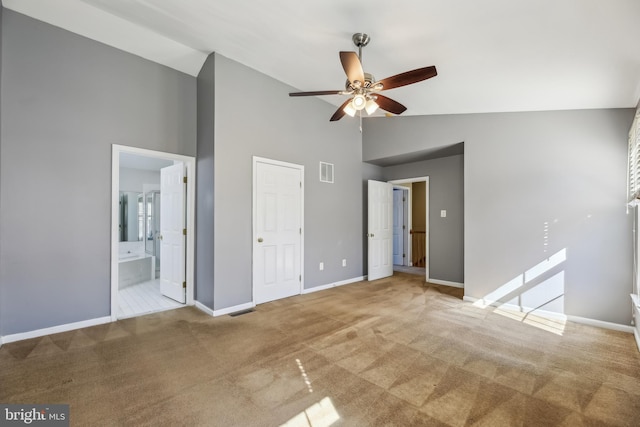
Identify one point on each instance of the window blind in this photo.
(633, 184)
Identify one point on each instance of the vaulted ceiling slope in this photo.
(491, 56)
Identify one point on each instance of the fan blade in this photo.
(390, 105)
(407, 78)
(316, 93)
(340, 111)
(352, 67)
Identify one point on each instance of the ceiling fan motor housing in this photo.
(369, 79)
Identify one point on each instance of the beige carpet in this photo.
(393, 352)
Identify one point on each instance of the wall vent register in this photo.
(326, 172)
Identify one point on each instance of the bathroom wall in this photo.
(134, 179)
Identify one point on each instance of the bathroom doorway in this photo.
(147, 227)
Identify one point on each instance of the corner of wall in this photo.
(204, 270)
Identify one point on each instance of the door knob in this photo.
(259, 239)
(371, 234)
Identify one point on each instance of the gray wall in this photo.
(446, 191)
(65, 100)
(135, 179)
(205, 184)
(537, 184)
(295, 130)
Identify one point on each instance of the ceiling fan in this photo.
(363, 88)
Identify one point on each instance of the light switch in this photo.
(321, 266)
(443, 213)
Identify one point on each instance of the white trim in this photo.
(255, 161)
(235, 308)
(635, 318)
(333, 285)
(601, 324)
(56, 329)
(200, 306)
(446, 283)
(553, 315)
(190, 169)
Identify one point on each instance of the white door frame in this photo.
(190, 168)
(426, 243)
(254, 216)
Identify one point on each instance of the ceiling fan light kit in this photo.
(363, 88)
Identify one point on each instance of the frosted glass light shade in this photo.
(349, 109)
(359, 102)
(371, 106)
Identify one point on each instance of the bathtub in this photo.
(135, 268)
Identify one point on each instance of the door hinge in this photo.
(300, 278)
(404, 255)
(301, 230)
(184, 285)
(404, 226)
(404, 200)
(184, 179)
(184, 231)
(300, 184)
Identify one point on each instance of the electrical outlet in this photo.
(321, 266)
(344, 262)
(443, 213)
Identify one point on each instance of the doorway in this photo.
(153, 206)
(416, 206)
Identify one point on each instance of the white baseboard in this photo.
(637, 337)
(333, 285)
(200, 306)
(552, 315)
(55, 329)
(250, 305)
(235, 308)
(601, 324)
(446, 283)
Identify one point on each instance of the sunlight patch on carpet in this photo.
(320, 414)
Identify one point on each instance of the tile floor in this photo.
(144, 298)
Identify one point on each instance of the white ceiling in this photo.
(491, 55)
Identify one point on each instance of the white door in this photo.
(172, 237)
(398, 227)
(380, 245)
(277, 245)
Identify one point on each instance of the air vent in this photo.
(326, 172)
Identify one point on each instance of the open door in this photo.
(380, 225)
(172, 232)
